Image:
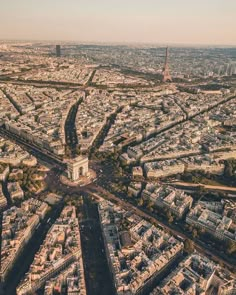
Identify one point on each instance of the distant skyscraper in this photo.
(166, 77)
(58, 50)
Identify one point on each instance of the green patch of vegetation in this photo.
(3, 166)
(188, 246)
(200, 177)
(231, 247)
(230, 169)
(228, 178)
(31, 180)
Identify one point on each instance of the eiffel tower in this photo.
(166, 77)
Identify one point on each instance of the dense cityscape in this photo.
(117, 169)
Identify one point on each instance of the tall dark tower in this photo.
(58, 50)
(166, 77)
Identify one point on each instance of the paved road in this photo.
(50, 84)
(97, 191)
(70, 128)
(53, 182)
(24, 260)
(97, 274)
(33, 149)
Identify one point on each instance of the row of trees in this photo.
(146, 203)
(211, 179)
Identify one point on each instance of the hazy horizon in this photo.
(173, 22)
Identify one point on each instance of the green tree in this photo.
(190, 227)
(195, 233)
(169, 216)
(228, 172)
(231, 247)
(188, 246)
(170, 219)
(150, 204)
(140, 202)
(78, 150)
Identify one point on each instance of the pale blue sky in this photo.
(166, 21)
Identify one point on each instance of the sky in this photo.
(206, 22)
